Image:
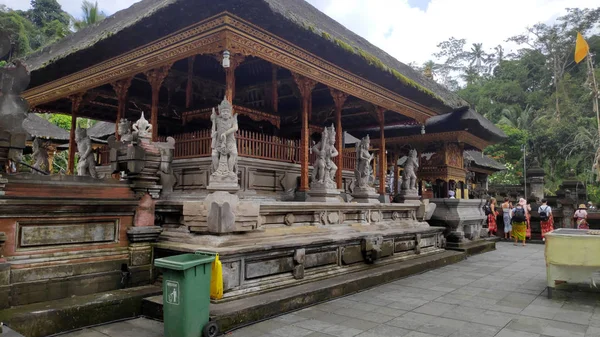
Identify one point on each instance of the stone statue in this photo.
(141, 128)
(362, 172)
(87, 164)
(324, 168)
(224, 145)
(40, 156)
(409, 176)
(124, 129)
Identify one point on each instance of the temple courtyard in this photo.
(500, 293)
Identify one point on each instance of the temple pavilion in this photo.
(288, 69)
(290, 74)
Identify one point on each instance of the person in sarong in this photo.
(546, 218)
(528, 216)
(519, 222)
(506, 215)
(492, 225)
(581, 217)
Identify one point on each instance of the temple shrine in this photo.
(230, 125)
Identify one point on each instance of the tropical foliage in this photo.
(538, 95)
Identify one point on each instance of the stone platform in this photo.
(236, 313)
(302, 242)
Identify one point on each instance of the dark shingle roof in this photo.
(478, 158)
(293, 20)
(481, 160)
(37, 126)
(101, 130)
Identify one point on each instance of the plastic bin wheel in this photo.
(210, 330)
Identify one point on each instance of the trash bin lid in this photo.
(183, 261)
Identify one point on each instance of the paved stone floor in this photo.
(501, 293)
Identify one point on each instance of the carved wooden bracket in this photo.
(76, 101)
(305, 85)
(339, 97)
(157, 76)
(121, 88)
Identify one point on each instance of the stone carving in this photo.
(146, 164)
(323, 187)
(124, 129)
(409, 175)
(40, 156)
(324, 168)
(142, 128)
(363, 170)
(289, 219)
(87, 164)
(224, 148)
(363, 192)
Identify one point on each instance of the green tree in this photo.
(44, 11)
(91, 15)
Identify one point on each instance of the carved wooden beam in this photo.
(155, 78)
(339, 98)
(76, 103)
(121, 88)
(305, 86)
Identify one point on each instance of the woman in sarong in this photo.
(581, 217)
(506, 215)
(528, 216)
(492, 225)
(519, 222)
(546, 218)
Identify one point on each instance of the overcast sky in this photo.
(411, 29)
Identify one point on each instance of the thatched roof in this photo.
(479, 159)
(101, 130)
(294, 20)
(37, 126)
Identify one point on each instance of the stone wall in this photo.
(256, 176)
(66, 236)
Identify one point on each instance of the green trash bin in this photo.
(186, 295)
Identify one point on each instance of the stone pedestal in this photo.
(221, 212)
(463, 219)
(365, 195)
(408, 197)
(321, 193)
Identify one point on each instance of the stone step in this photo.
(237, 313)
(48, 318)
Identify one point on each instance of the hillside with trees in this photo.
(538, 95)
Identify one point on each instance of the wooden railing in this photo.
(253, 145)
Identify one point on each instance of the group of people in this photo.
(517, 219)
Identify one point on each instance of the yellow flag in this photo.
(581, 48)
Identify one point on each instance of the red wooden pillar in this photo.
(121, 88)
(305, 85)
(396, 176)
(190, 78)
(234, 62)
(155, 78)
(339, 98)
(75, 105)
(382, 156)
(274, 88)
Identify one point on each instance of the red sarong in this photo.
(547, 226)
(492, 226)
